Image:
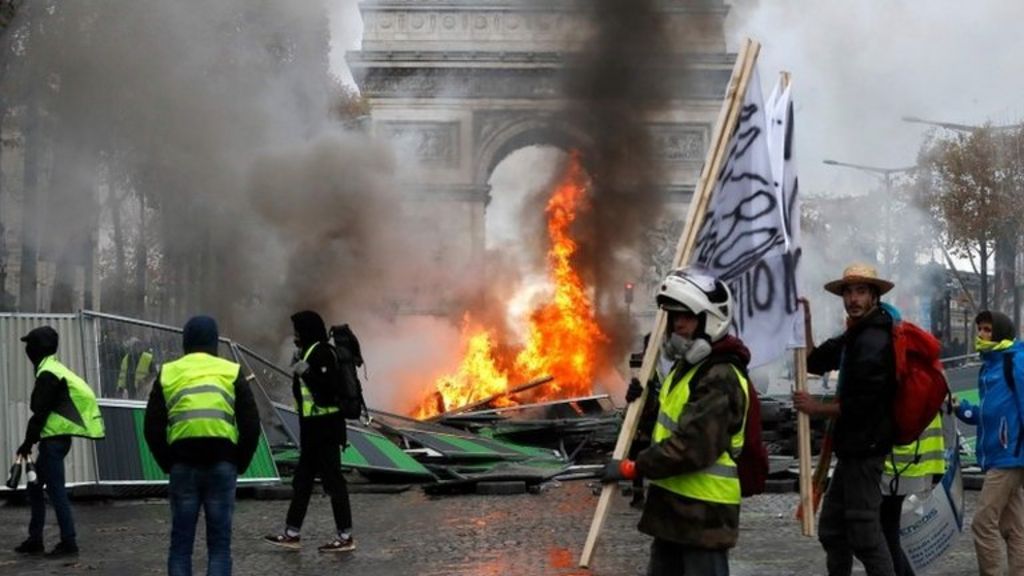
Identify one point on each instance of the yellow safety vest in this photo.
(141, 370)
(89, 421)
(917, 462)
(310, 408)
(719, 482)
(199, 390)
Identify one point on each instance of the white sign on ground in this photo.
(929, 529)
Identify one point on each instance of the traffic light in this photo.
(629, 293)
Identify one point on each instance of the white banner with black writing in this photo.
(750, 234)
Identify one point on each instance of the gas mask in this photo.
(677, 348)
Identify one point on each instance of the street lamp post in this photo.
(886, 175)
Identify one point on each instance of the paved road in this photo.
(413, 534)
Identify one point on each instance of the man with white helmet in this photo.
(693, 503)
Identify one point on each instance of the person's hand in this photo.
(807, 310)
(300, 367)
(634, 391)
(616, 470)
(804, 402)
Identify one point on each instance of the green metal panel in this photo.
(370, 451)
(396, 454)
(262, 465)
(150, 469)
(352, 457)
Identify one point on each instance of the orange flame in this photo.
(563, 337)
(477, 377)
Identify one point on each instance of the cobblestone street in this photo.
(410, 533)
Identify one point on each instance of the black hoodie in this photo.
(200, 336)
(49, 393)
(321, 377)
(867, 384)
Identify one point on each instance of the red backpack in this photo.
(921, 383)
(752, 462)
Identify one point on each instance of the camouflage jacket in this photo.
(713, 413)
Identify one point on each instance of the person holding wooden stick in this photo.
(850, 522)
(693, 503)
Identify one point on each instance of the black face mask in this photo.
(35, 352)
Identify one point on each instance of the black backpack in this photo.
(349, 356)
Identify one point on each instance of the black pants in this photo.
(673, 559)
(892, 506)
(319, 458)
(850, 523)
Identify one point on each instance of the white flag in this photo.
(750, 234)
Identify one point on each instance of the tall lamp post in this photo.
(886, 175)
(968, 129)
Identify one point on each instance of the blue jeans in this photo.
(211, 488)
(50, 473)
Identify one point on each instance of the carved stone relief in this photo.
(432, 143)
(680, 142)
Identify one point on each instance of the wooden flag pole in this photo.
(724, 126)
(803, 438)
(803, 421)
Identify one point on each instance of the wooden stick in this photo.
(820, 478)
(724, 127)
(803, 438)
(473, 406)
(803, 421)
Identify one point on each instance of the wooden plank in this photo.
(474, 405)
(803, 438)
(724, 127)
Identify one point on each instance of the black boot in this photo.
(63, 549)
(30, 546)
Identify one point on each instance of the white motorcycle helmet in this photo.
(696, 291)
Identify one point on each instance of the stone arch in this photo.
(523, 131)
(464, 83)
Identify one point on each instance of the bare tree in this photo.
(972, 188)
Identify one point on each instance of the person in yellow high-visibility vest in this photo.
(316, 378)
(202, 427)
(910, 469)
(692, 507)
(136, 367)
(63, 406)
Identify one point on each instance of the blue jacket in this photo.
(998, 415)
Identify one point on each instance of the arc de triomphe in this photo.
(461, 84)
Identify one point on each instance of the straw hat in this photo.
(858, 273)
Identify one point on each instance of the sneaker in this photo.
(63, 550)
(30, 546)
(284, 540)
(339, 544)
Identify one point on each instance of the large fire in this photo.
(562, 337)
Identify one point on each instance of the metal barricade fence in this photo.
(129, 353)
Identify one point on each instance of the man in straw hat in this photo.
(863, 433)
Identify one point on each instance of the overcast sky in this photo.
(858, 66)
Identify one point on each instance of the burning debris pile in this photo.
(563, 339)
